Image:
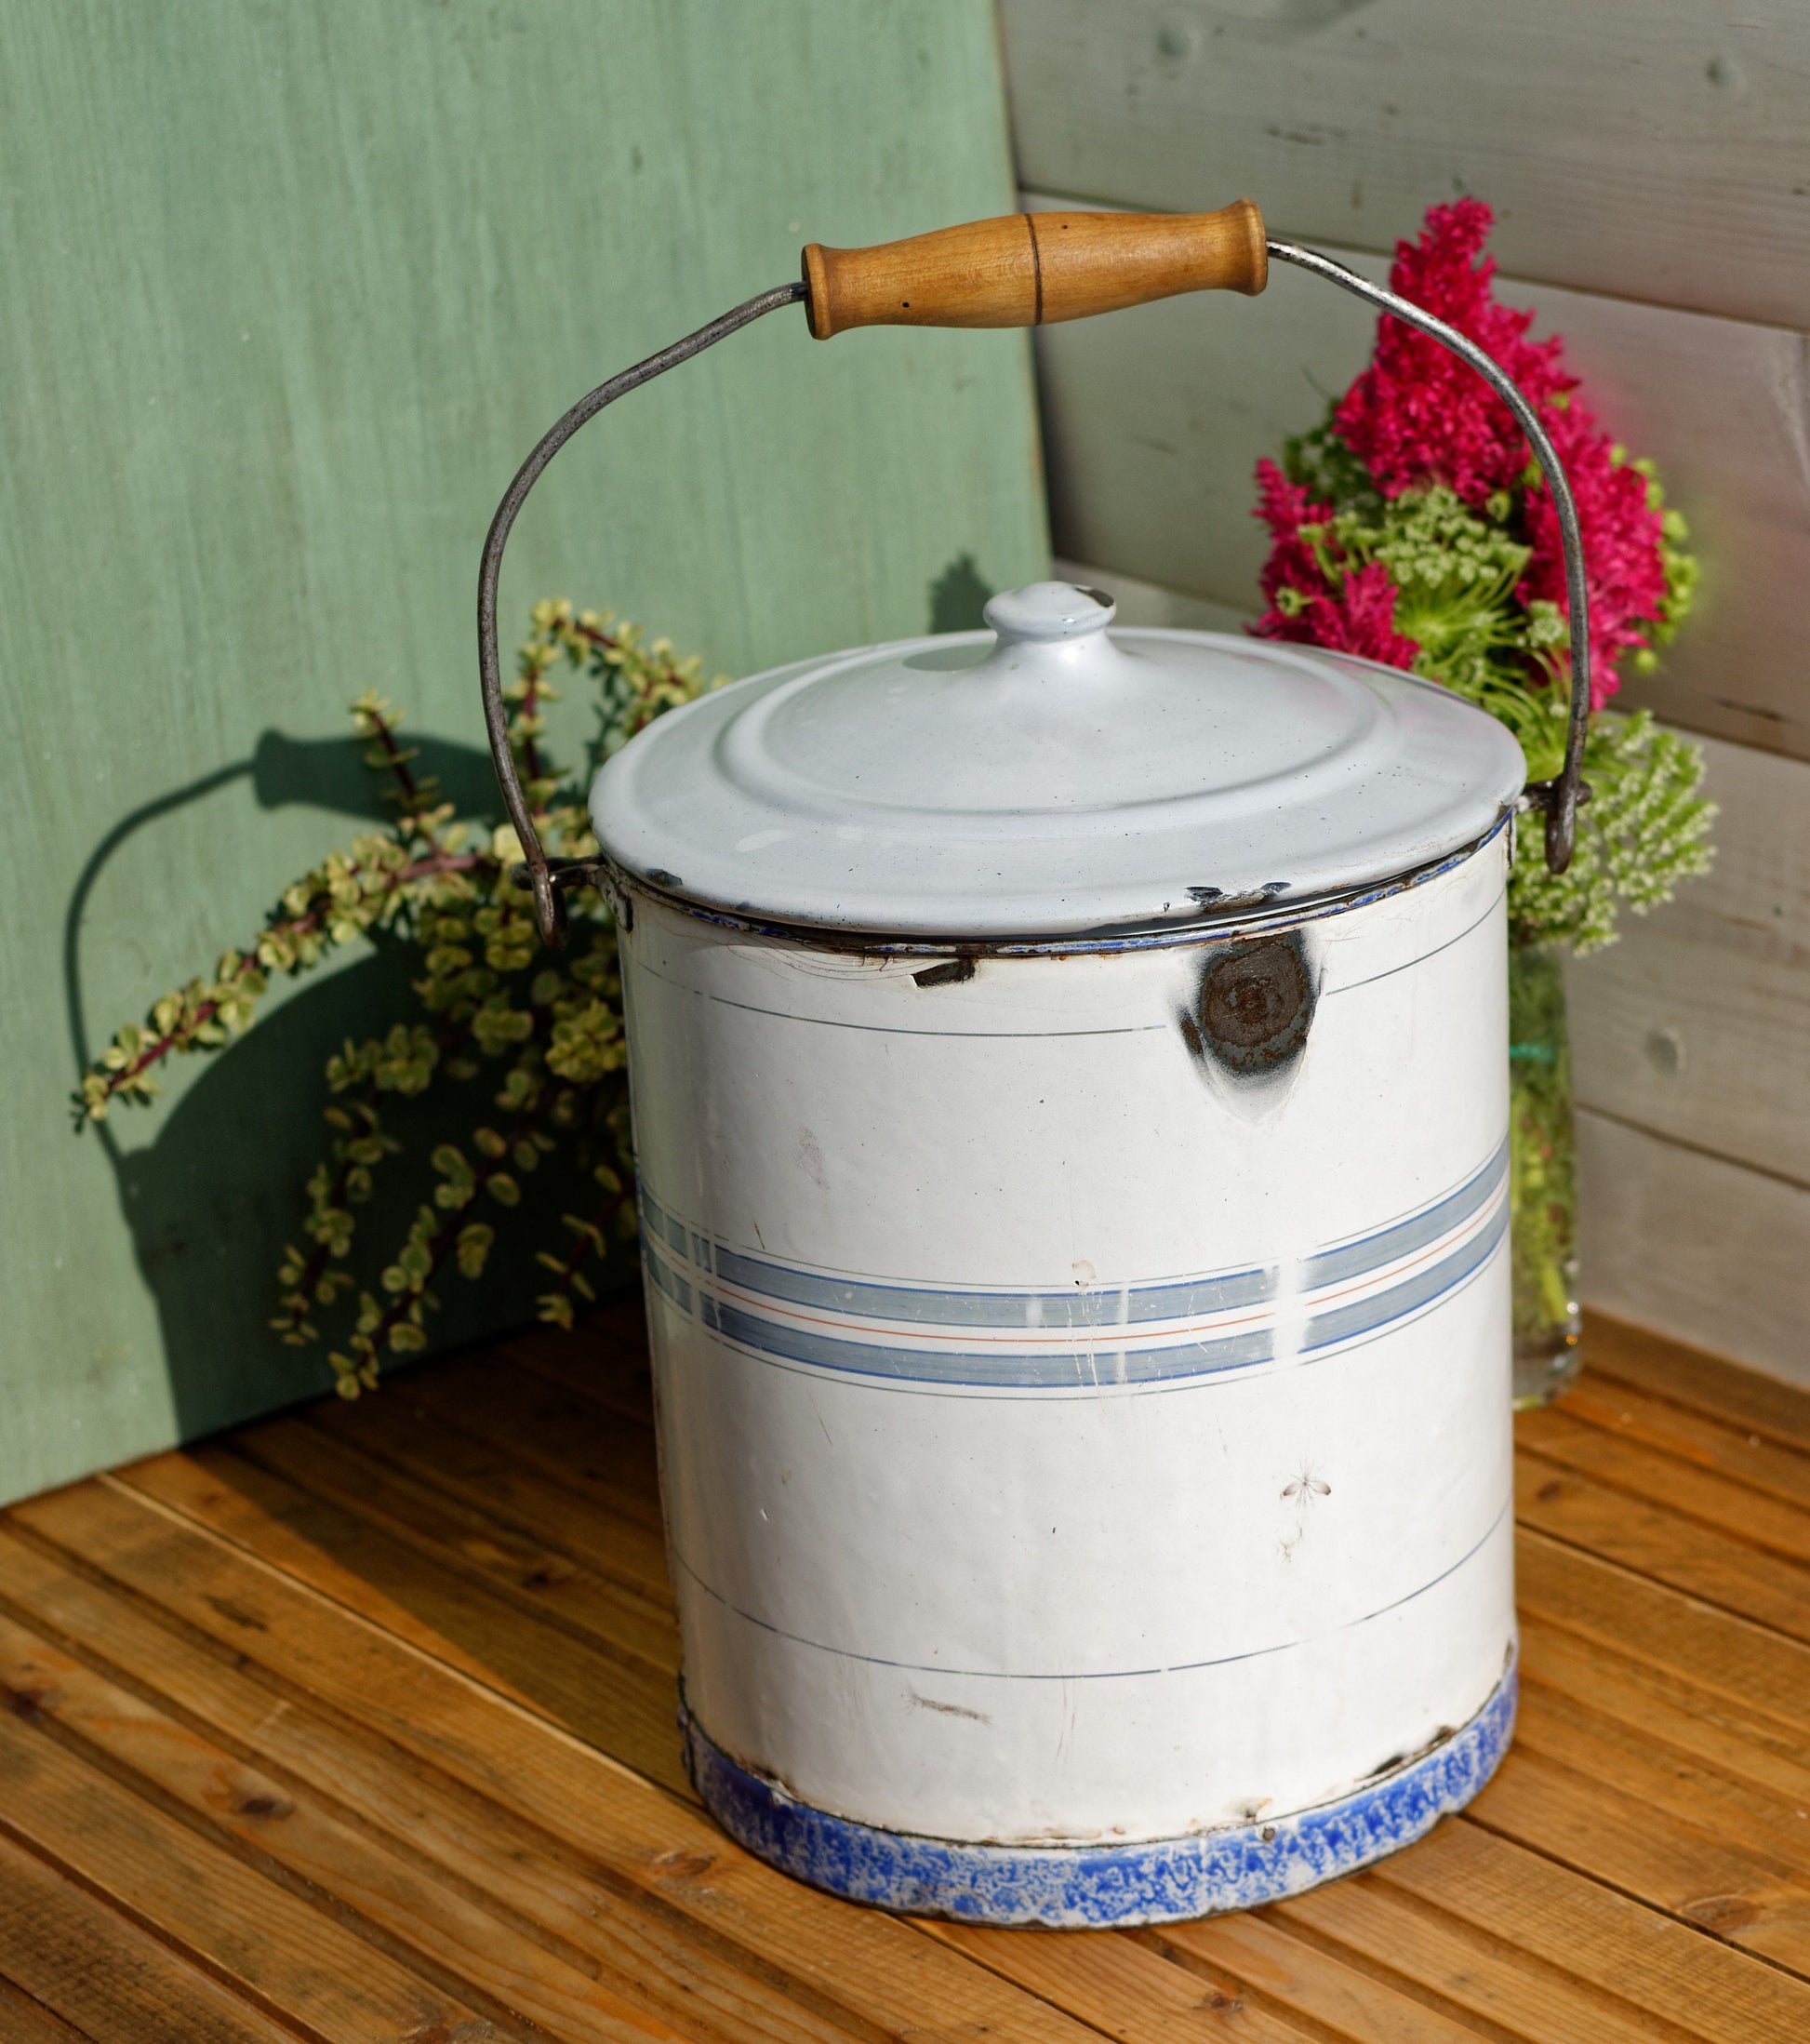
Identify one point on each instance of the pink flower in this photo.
(1417, 415)
(1284, 507)
(1622, 561)
(1355, 614)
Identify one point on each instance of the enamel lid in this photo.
(1050, 777)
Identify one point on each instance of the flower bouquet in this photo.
(1412, 527)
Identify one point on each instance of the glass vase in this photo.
(1542, 1179)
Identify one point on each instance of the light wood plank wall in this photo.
(1652, 184)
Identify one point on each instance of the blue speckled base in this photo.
(1081, 1886)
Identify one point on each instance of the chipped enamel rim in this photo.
(620, 888)
(1096, 1887)
(1020, 783)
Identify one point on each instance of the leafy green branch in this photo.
(487, 997)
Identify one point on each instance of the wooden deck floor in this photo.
(358, 1726)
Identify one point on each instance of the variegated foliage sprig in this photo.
(543, 1029)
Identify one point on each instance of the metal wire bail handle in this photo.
(547, 876)
(942, 270)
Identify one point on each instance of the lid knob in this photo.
(1042, 611)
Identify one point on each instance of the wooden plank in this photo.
(1729, 1656)
(476, 1470)
(1391, 1931)
(604, 1357)
(1697, 1024)
(1738, 1745)
(1691, 1048)
(119, 1984)
(1660, 1544)
(1701, 1246)
(551, 1586)
(1124, 1989)
(1753, 1899)
(1697, 1382)
(273, 1949)
(590, 1453)
(559, 1899)
(1619, 1408)
(1642, 1471)
(1258, 1960)
(1154, 420)
(1647, 1770)
(323, 1550)
(25, 2020)
(1672, 1971)
(875, 1966)
(1652, 151)
(617, 1701)
(467, 1947)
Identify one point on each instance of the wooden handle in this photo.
(1033, 269)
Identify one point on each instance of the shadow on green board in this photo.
(958, 596)
(212, 1199)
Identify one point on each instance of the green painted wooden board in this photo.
(290, 288)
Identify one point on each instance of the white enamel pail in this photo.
(1069, 1083)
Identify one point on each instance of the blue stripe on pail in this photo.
(1095, 1887)
(1193, 1355)
(1055, 1310)
(668, 1282)
(1388, 1245)
(1108, 1305)
(655, 1220)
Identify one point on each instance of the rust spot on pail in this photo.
(1254, 1005)
(952, 974)
(948, 1710)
